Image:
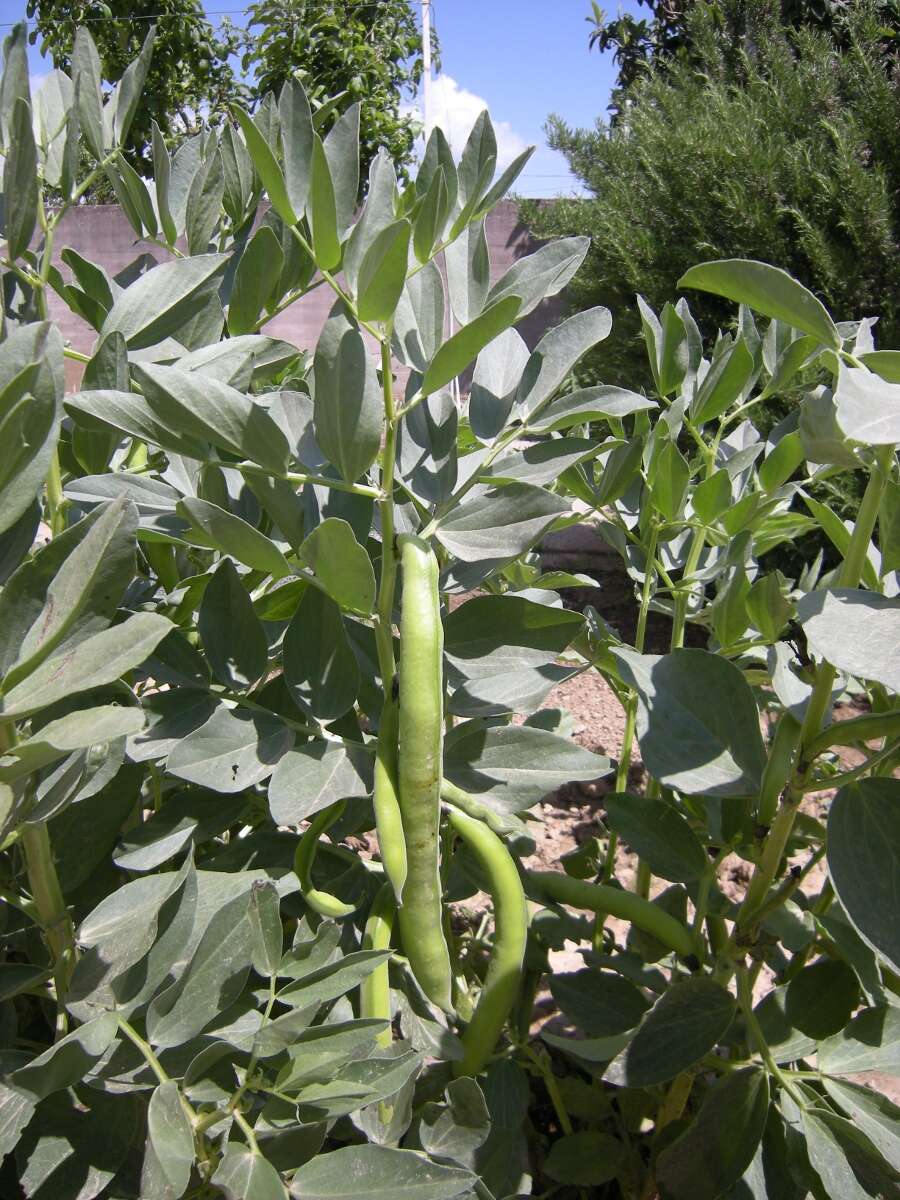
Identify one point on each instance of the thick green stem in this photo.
(52, 912)
(683, 595)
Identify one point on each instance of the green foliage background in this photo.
(765, 140)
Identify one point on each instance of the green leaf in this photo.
(499, 523)
(498, 369)
(76, 731)
(341, 146)
(243, 1175)
(585, 1159)
(349, 411)
(378, 1173)
(234, 536)
(600, 1003)
(825, 1149)
(698, 725)
(684, 1024)
(669, 478)
(502, 653)
(821, 998)
(659, 835)
(321, 210)
(130, 414)
(266, 165)
(377, 214)
(332, 979)
(171, 1136)
(31, 388)
(187, 818)
(864, 861)
(203, 407)
(341, 565)
(266, 931)
(589, 404)
(517, 764)
(230, 630)
(540, 275)
(870, 1042)
(315, 776)
(478, 160)
(255, 281)
(419, 319)
(873, 1114)
(557, 353)
(86, 76)
(77, 1145)
(68, 1060)
(20, 181)
(320, 668)
(431, 217)
(463, 347)
(457, 1128)
(712, 497)
(213, 979)
(297, 142)
(724, 382)
(160, 303)
(85, 591)
(204, 203)
(719, 1145)
(96, 661)
(382, 273)
(856, 631)
(232, 751)
(839, 535)
(468, 273)
(868, 408)
(767, 290)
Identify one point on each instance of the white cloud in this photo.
(455, 108)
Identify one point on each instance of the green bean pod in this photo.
(779, 766)
(504, 974)
(321, 902)
(375, 989)
(420, 764)
(388, 819)
(600, 897)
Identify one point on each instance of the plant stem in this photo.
(51, 908)
(745, 999)
(545, 1069)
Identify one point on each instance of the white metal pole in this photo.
(426, 64)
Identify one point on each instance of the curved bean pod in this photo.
(321, 902)
(420, 763)
(388, 819)
(504, 974)
(375, 989)
(779, 767)
(600, 897)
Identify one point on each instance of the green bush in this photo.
(229, 661)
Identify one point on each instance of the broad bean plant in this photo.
(274, 645)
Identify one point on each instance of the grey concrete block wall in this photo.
(101, 233)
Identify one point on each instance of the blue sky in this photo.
(523, 59)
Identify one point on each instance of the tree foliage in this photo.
(346, 51)
(365, 52)
(190, 73)
(782, 147)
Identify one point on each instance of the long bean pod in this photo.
(504, 974)
(319, 901)
(600, 897)
(375, 989)
(388, 819)
(420, 765)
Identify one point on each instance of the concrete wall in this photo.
(101, 233)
